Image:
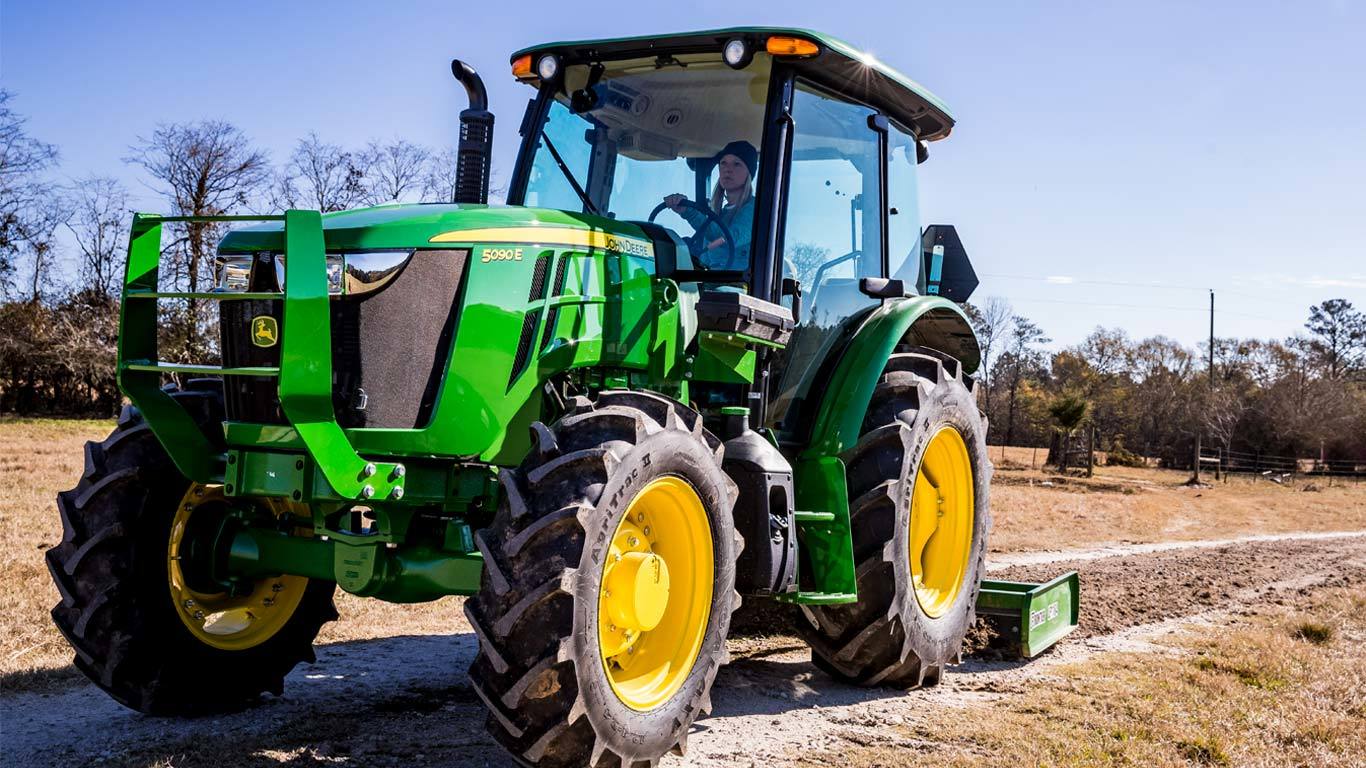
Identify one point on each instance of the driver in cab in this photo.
(732, 201)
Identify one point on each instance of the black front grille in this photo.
(389, 348)
(250, 398)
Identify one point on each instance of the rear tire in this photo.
(892, 636)
(111, 569)
(541, 668)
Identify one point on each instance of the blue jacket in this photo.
(740, 220)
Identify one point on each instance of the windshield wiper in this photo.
(573, 182)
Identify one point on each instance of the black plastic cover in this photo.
(956, 279)
(763, 515)
(732, 312)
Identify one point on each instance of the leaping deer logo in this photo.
(264, 331)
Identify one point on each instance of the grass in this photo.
(1139, 505)
(1254, 692)
(39, 457)
(1314, 632)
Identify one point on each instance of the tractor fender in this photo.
(926, 321)
(819, 472)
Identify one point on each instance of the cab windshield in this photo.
(621, 137)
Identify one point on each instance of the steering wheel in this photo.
(694, 242)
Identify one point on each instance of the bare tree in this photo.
(1223, 410)
(99, 212)
(27, 202)
(1021, 357)
(320, 175)
(207, 168)
(39, 237)
(393, 170)
(438, 183)
(803, 259)
(991, 321)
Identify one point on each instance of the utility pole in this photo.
(1211, 338)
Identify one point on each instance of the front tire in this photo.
(919, 512)
(584, 658)
(118, 573)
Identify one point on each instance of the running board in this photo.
(1031, 617)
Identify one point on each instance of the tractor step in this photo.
(1031, 617)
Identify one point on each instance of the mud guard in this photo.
(819, 473)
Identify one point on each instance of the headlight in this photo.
(548, 67)
(348, 274)
(233, 273)
(737, 53)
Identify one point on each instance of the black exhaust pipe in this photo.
(475, 154)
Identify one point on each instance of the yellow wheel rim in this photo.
(654, 599)
(218, 619)
(940, 540)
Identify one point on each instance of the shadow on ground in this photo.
(394, 701)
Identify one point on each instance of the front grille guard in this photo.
(304, 376)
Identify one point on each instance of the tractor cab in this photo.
(818, 209)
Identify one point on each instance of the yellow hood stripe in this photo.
(583, 238)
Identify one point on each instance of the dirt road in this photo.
(406, 700)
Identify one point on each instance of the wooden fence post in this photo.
(1091, 452)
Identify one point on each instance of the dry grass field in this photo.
(1276, 686)
(1035, 509)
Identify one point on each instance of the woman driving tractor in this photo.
(733, 202)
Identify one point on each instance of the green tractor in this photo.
(706, 350)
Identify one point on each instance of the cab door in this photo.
(832, 236)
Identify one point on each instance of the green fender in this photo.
(928, 321)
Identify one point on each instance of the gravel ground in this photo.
(406, 700)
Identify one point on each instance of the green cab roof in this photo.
(837, 65)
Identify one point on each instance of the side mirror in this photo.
(945, 269)
(882, 287)
(922, 152)
(793, 288)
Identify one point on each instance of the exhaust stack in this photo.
(475, 153)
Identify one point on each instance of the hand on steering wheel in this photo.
(678, 202)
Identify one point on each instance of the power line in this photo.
(1153, 284)
(1058, 280)
(1113, 305)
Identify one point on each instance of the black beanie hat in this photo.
(743, 150)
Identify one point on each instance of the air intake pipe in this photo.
(475, 154)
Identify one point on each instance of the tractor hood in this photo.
(427, 225)
(444, 349)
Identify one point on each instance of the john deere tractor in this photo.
(705, 350)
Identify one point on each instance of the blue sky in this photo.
(1111, 161)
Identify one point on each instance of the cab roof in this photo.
(837, 65)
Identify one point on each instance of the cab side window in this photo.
(832, 233)
(903, 208)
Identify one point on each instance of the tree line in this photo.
(1304, 396)
(63, 242)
